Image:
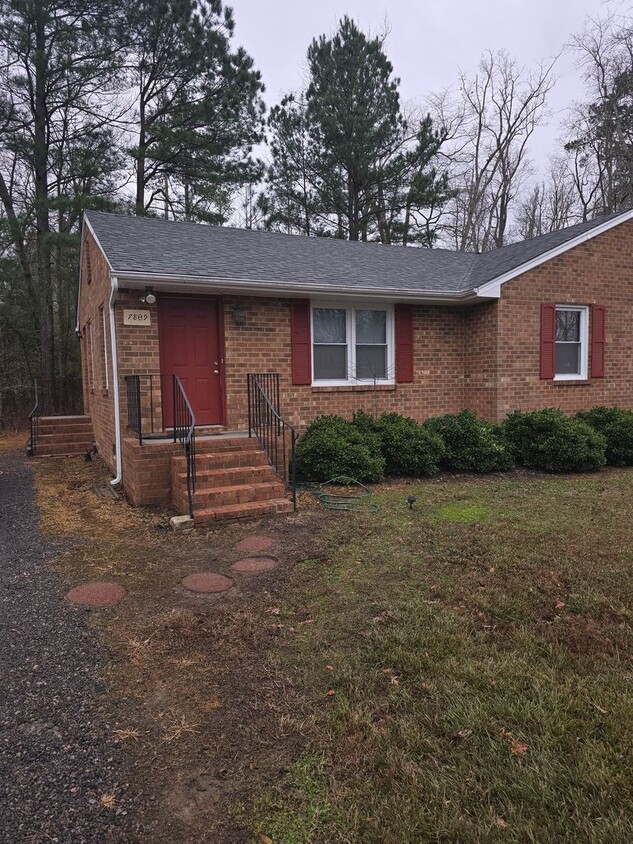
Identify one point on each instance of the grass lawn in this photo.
(459, 672)
(468, 665)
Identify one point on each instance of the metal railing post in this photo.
(266, 421)
(173, 384)
(138, 409)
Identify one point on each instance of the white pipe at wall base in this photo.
(115, 384)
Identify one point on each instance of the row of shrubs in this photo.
(370, 448)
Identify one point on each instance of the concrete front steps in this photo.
(59, 436)
(233, 481)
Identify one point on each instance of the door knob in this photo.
(216, 371)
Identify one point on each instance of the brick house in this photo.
(342, 326)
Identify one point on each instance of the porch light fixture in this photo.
(149, 297)
(239, 315)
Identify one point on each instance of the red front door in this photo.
(190, 347)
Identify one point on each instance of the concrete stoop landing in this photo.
(234, 481)
(63, 436)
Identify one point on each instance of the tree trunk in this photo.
(40, 161)
(352, 227)
(140, 163)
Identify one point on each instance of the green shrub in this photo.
(408, 447)
(616, 426)
(331, 446)
(550, 441)
(471, 444)
(365, 421)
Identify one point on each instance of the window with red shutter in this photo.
(300, 339)
(404, 343)
(352, 344)
(548, 340)
(598, 325)
(564, 342)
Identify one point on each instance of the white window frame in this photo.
(584, 344)
(350, 328)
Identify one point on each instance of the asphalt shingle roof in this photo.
(188, 250)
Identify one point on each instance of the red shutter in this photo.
(597, 341)
(404, 343)
(300, 338)
(548, 340)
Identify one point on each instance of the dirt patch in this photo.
(202, 706)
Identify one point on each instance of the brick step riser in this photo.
(204, 499)
(61, 439)
(65, 420)
(243, 511)
(211, 447)
(64, 429)
(224, 461)
(211, 479)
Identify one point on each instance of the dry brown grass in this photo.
(13, 440)
(191, 671)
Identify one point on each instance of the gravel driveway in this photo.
(57, 755)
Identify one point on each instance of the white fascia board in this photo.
(176, 283)
(86, 222)
(492, 289)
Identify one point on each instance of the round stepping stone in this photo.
(96, 594)
(254, 565)
(255, 544)
(207, 582)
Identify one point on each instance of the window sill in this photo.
(570, 382)
(353, 388)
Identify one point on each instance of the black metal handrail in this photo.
(271, 429)
(34, 421)
(134, 413)
(185, 434)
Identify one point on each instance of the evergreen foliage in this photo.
(616, 426)
(552, 442)
(471, 444)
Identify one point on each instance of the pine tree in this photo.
(198, 109)
(346, 162)
(58, 62)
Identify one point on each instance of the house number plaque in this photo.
(139, 317)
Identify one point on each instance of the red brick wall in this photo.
(263, 345)
(599, 271)
(139, 355)
(98, 401)
(481, 369)
(147, 471)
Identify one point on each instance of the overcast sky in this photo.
(430, 41)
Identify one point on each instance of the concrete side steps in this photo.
(63, 436)
(234, 480)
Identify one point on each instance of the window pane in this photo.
(329, 325)
(330, 363)
(568, 358)
(371, 362)
(568, 326)
(371, 327)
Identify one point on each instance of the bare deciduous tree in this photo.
(550, 205)
(489, 123)
(600, 132)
